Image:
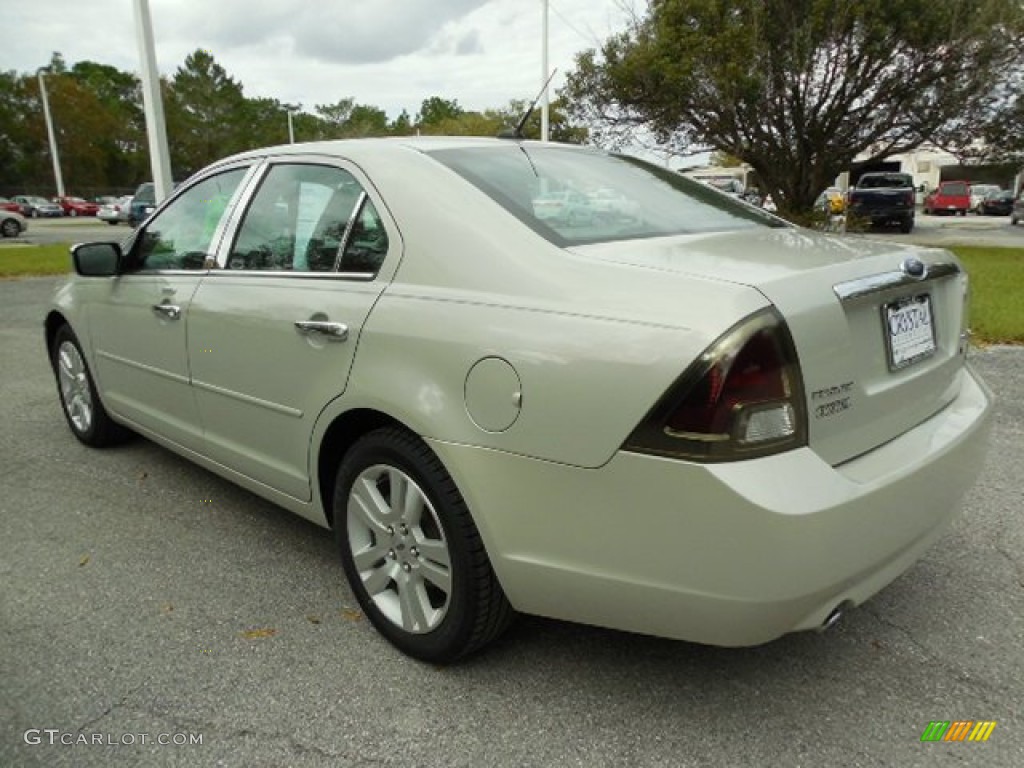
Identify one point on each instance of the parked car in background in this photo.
(34, 207)
(12, 223)
(76, 206)
(116, 211)
(613, 205)
(705, 423)
(978, 194)
(949, 197)
(883, 197)
(1017, 212)
(998, 203)
(831, 201)
(9, 205)
(142, 204)
(564, 205)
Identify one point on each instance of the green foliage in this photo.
(436, 110)
(798, 88)
(202, 111)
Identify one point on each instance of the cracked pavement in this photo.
(129, 577)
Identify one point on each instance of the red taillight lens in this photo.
(743, 398)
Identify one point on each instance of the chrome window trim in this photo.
(349, 226)
(865, 286)
(364, 277)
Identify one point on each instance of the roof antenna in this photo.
(517, 132)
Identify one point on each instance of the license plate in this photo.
(909, 330)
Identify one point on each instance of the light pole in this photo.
(53, 138)
(544, 75)
(156, 130)
(291, 128)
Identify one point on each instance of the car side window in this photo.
(299, 218)
(367, 244)
(181, 235)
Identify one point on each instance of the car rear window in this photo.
(885, 181)
(954, 188)
(574, 197)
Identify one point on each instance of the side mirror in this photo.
(96, 259)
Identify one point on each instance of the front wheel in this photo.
(73, 213)
(86, 415)
(10, 228)
(411, 552)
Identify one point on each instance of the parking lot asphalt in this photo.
(143, 596)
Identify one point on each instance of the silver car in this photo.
(12, 224)
(698, 422)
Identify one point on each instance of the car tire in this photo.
(411, 551)
(10, 228)
(35, 214)
(79, 399)
(907, 226)
(73, 213)
(112, 223)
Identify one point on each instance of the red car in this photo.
(9, 205)
(949, 197)
(76, 206)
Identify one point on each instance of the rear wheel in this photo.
(72, 213)
(907, 226)
(411, 552)
(10, 228)
(85, 414)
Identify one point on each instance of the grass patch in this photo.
(24, 260)
(997, 283)
(997, 293)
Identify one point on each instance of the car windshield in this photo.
(573, 197)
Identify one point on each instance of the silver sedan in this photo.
(697, 421)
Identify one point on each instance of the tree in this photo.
(435, 109)
(401, 125)
(203, 104)
(798, 88)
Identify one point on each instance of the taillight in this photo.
(910, 198)
(743, 398)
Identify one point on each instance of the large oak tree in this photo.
(799, 88)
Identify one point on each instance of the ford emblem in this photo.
(914, 268)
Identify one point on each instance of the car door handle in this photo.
(332, 331)
(170, 311)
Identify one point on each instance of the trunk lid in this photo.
(842, 298)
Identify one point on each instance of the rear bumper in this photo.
(729, 554)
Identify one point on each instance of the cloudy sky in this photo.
(388, 53)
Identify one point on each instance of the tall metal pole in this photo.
(156, 129)
(53, 138)
(291, 128)
(544, 75)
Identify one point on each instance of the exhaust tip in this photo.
(835, 615)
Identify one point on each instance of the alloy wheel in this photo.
(74, 386)
(399, 548)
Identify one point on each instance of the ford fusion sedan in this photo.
(697, 421)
